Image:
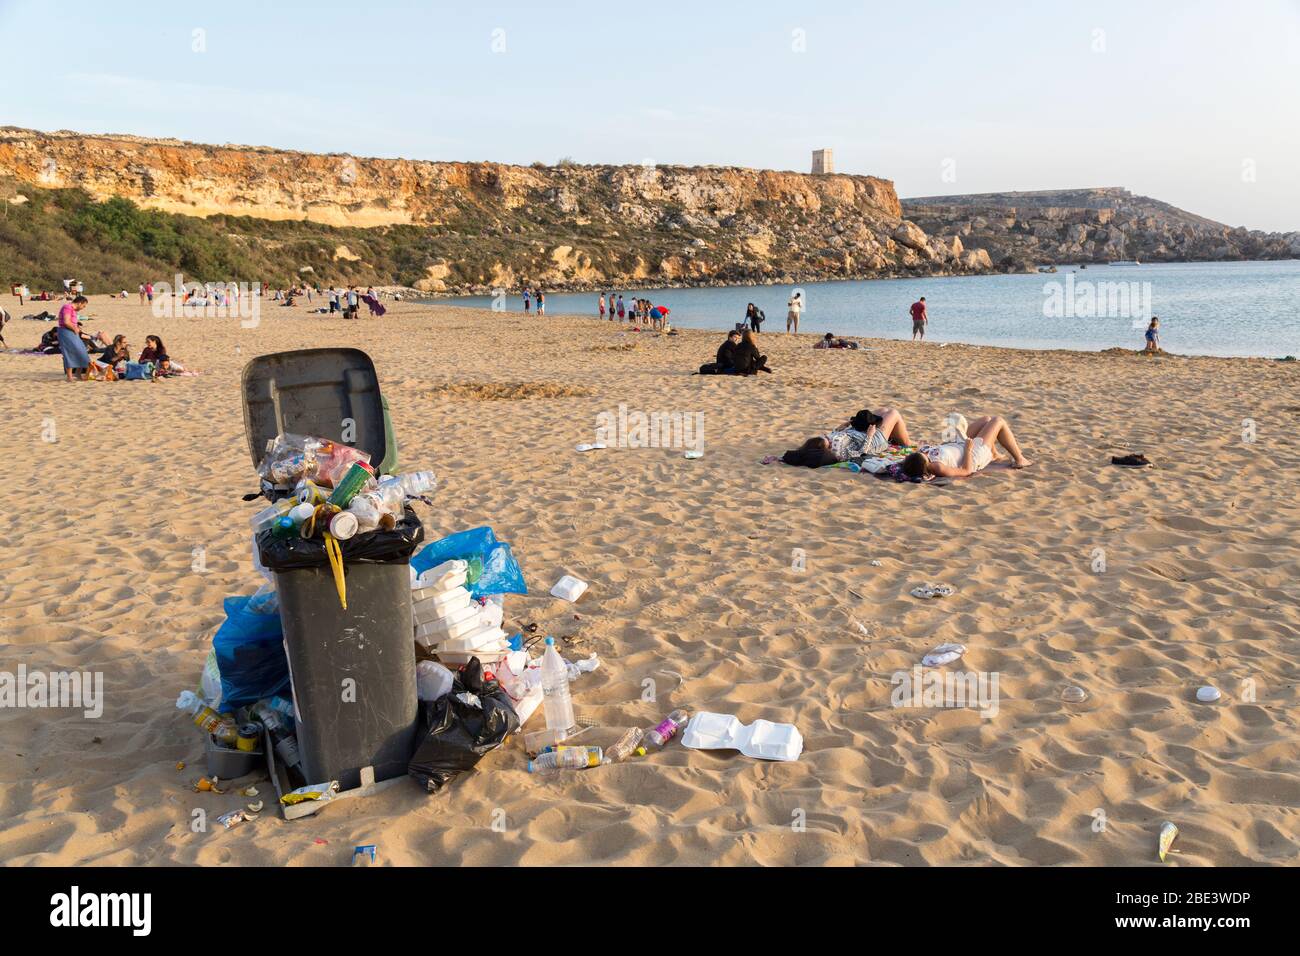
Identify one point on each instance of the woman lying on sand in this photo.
(963, 458)
(866, 433)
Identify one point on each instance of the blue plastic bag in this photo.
(501, 573)
(139, 371)
(250, 653)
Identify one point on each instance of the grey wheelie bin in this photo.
(353, 670)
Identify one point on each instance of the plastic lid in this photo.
(344, 525)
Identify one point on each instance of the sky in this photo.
(1194, 103)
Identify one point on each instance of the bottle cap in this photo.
(550, 642)
(343, 525)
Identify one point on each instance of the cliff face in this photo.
(1021, 229)
(487, 224)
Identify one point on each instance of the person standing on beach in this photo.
(541, 303)
(621, 311)
(1153, 336)
(528, 300)
(794, 310)
(602, 307)
(919, 319)
(76, 360)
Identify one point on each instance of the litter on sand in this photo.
(569, 588)
(927, 591)
(943, 654)
(1074, 695)
(762, 739)
(1208, 694)
(1168, 833)
(594, 446)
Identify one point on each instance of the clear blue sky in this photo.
(1184, 101)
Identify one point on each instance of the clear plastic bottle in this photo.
(570, 758)
(556, 702)
(417, 483)
(628, 744)
(667, 730)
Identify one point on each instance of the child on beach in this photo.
(1153, 336)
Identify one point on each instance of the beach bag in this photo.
(138, 371)
(459, 728)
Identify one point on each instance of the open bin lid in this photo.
(314, 392)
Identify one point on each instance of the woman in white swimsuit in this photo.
(865, 434)
(963, 458)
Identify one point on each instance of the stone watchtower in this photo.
(823, 161)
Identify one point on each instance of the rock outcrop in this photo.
(1022, 230)
(476, 224)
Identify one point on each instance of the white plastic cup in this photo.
(343, 525)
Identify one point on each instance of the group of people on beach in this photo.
(967, 448)
(639, 312)
(88, 357)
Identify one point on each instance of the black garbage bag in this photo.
(457, 729)
(370, 547)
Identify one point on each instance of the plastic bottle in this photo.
(666, 731)
(556, 701)
(416, 483)
(223, 728)
(571, 758)
(265, 518)
(628, 744)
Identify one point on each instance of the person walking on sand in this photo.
(919, 318)
(794, 309)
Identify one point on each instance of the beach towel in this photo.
(73, 349)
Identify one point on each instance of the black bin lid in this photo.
(314, 392)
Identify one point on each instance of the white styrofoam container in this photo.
(440, 577)
(438, 605)
(479, 639)
(458, 623)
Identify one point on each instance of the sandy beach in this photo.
(690, 566)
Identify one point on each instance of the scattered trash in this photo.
(693, 453)
(1074, 695)
(235, 817)
(569, 588)
(762, 739)
(254, 807)
(1168, 833)
(319, 792)
(627, 745)
(206, 785)
(1208, 694)
(566, 758)
(248, 792)
(877, 564)
(1131, 461)
(595, 446)
(180, 765)
(943, 654)
(432, 680)
(928, 591)
(364, 855)
(667, 729)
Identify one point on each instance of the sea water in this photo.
(1205, 308)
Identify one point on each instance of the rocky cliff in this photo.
(1024, 229)
(479, 226)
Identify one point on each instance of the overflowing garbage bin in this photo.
(344, 601)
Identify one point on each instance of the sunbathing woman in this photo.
(965, 457)
(865, 434)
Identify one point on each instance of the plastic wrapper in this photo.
(500, 572)
(376, 547)
(458, 729)
(334, 464)
(249, 649)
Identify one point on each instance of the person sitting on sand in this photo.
(747, 359)
(829, 341)
(966, 456)
(116, 353)
(1153, 336)
(153, 351)
(726, 358)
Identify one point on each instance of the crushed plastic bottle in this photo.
(627, 745)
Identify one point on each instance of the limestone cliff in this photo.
(1024, 229)
(483, 225)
